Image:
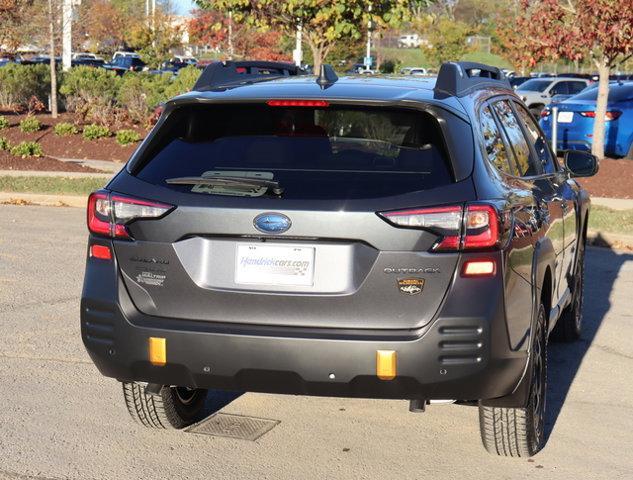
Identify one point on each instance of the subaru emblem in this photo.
(272, 223)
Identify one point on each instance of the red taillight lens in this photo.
(109, 214)
(297, 103)
(545, 113)
(479, 268)
(481, 227)
(470, 228)
(610, 115)
(102, 252)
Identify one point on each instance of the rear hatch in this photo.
(313, 252)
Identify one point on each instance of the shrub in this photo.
(27, 149)
(90, 94)
(4, 123)
(4, 144)
(30, 124)
(126, 137)
(183, 83)
(63, 129)
(139, 93)
(94, 132)
(19, 83)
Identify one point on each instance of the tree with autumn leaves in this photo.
(324, 22)
(599, 30)
(211, 28)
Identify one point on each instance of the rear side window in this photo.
(523, 163)
(537, 139)
(493, 142)
(328, 152)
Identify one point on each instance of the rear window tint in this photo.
(329, 152)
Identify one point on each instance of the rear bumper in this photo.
(457, 356)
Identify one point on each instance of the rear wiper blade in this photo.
(271, 185)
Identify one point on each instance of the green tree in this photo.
(447, 40)
(324, 22)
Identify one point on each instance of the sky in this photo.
(182, 7)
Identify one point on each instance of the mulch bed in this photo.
(72, 146)
(614, 179)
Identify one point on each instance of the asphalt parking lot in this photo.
(60, 419)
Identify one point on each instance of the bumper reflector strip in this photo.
(100, 251)
(158, 351)
(386, 361)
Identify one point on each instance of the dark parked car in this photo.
(405, 238)
(88, 62)
(124, 64)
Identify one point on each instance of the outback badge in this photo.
(411, 286)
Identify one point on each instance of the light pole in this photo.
(297, 53)
(367, 61)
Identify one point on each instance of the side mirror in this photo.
(581, 164)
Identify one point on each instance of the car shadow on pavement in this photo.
(565, 358)
(218, 399)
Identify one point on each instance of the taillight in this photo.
(109, 214)
(472, 227)
(481, 225)
(298, 103)
(608, 116)
(545, 113)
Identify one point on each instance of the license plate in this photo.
(565, 117)
(274, 265)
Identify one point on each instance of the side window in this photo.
(576, 87)
(524, 164)
(495, 148)
(536, 139)
(559, 89)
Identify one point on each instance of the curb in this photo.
(17, 198)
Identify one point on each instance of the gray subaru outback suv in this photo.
(395, 238)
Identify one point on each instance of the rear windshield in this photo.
(328, 152)
(535, 85)
(617, 93)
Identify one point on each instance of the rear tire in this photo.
(520, 432)
(569, 325)
(171, 408)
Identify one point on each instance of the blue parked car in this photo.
(576, 117)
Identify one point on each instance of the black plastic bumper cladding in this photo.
(463, 354)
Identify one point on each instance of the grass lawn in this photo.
(613, 221)
(51, 185)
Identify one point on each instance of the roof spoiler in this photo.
(460, 78)
(222, 74)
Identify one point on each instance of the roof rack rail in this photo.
(459, 78)
(231, 73)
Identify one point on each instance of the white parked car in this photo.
(410, 40)
(537, 93)
(125, 54)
